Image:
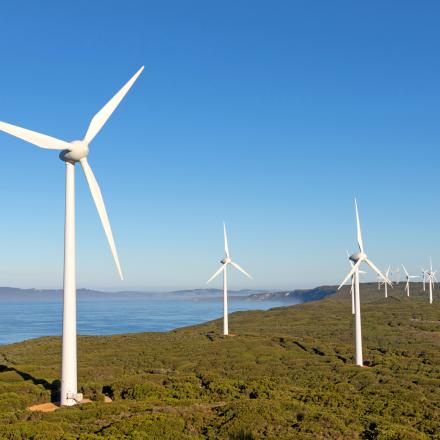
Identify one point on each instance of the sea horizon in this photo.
(35, 313)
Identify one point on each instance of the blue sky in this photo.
(269, 115)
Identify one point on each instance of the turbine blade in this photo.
(38, 139)
(99, 203)
(216, 274)
(226, 240)
(240, 269)
(370, 263)
(407, 274)
(350, 274)
(358, 226)
(102, 116)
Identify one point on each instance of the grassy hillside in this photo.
(286, 374)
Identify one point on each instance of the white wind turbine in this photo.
(408, 278)
(357, 259)
(424, 276)
(384, 283)
(71, 153)
(224, 268)
(431, 279)
(396, 275)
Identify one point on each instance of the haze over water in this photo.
(26, 316)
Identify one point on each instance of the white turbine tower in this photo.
(224, 268)
(431, 279)
(408, 278)
(384, 283)
(357, 259)
(71, 153)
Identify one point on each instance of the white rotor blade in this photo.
(38, 139)
(351, 273)
(102, 116)
(216, 274)
(99, 202)
(226, 240)
(358, 226)
(407, 274)
(378, 271)
(240, 269)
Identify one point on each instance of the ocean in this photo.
(31, 315)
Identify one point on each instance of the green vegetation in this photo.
(286, 374)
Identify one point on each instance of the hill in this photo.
(286, 374)
(296, 296)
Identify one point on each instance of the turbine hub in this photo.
(80, 150)
(358, 256)
(225, 260)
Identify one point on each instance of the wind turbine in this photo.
(408, 278)
(383, 282)
(357, 259)
(72, 153)
(379, 282)
(224, 268)
(431, 279)
(424, 275)
(396, 274)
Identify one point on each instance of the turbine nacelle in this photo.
(226, 261)
(79, 151)
(358, 256)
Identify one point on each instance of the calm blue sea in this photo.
(31, 315)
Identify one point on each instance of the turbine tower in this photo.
(72, 153)
(224, 268)
(431, 279)
(408, 278)
(357, 259)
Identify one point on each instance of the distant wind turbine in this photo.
(424, 276)
(408, 278)
(431, 279)
(357, 259)
(395, 274)
(72, 153)
(384, 283)
(227, 260)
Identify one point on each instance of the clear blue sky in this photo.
(269, 115)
